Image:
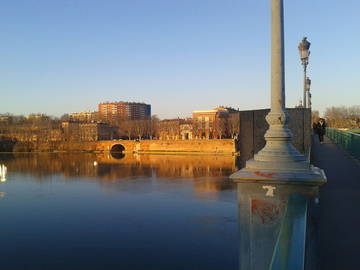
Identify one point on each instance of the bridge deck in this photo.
(339, 215)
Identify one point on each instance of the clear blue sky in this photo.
(178, 55)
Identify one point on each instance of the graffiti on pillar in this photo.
(263, 174)
(267, 212)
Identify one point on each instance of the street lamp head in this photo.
(304, 52)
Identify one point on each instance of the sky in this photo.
(65, 56)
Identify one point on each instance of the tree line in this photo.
(343, 117)
(43, 128)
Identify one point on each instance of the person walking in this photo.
(320, 129)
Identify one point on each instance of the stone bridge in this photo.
(118, 145)
(223, 146)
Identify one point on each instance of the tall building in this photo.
(113, 111)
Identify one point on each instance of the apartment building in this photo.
(111, 112)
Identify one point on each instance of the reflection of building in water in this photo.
(105, 168)
(3, 171)
(212, 185)
(207, 172)
(167, 165)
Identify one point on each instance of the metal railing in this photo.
(350, 141)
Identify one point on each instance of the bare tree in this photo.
(220, 127)
(196, 127)
(153, 126)
(343, 117)
(127, 127)
(139, 128)
(233, 124)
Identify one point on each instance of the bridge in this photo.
(118, 145)
(337, 223)
(223, 146)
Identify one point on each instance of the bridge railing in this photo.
(350, 141)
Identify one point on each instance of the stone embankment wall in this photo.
(223, 146)
(209, 146)
(54, 147)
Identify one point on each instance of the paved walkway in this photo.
(339, 213)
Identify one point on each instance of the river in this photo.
(98, 211)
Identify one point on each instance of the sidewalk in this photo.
(339, 213)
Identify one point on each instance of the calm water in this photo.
(87, 211)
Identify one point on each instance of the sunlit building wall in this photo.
(114, 111)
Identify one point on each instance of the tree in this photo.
(233, 124)
(153, 126)
(65, 117)
(139, 128)
(220, 127)
(343, 117)
(196, 127)
(127, 127)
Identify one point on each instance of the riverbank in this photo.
(219, 146)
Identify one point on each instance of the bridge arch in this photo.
(117, 150)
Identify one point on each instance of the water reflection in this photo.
(3, 171)
(107, 168)
(99, 212)
(117, 155)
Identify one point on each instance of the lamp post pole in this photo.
(307, 86)
(275, 186)
(305, 96)
(304, 52)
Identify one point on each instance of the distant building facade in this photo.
(110, 112)
(37, 116)
(174, 129)
(186, 130)
(210, 124)
(84, 117)
(169, 129)
(218, 123)
(5, 119)
(86, 132)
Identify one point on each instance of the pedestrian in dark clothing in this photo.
(320, 129)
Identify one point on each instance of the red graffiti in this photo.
(267, 212)
(258, 173)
